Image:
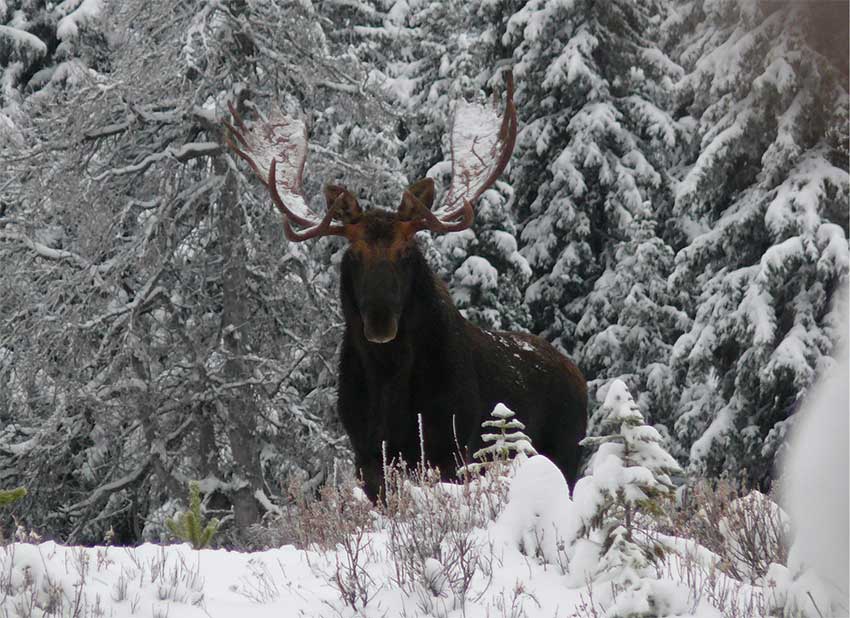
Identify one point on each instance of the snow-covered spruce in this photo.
(760, 203)
(509, 442)
(629, 471)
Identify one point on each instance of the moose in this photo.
(408, 356)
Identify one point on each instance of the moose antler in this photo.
(481, 146)
(276, 150)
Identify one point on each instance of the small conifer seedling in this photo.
(188, 526)
(630, 472)
(8, 496)
(504, 445)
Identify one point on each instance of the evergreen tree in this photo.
(502, 446)
(590, 183)
(761, 214)
(189, 525)
(629, 472)
(8, 496)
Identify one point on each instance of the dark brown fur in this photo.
(440, 366)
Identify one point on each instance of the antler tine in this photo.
(280, 143)
(480, 153)
(323, 228)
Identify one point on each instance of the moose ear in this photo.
(343, 203)
(418, 196)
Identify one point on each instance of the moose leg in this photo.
(370, 471)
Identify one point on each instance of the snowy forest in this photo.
(674, 219)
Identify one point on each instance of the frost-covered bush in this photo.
(748, 531)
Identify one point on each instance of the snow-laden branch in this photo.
(41, 249)
(87, 12)
(23, 39)
(183, 153)
(141, 299)
(108, 488)
(107, 131)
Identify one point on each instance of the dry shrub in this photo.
(430, 528)
(706, 583)
(432, 541)
(746, 529)
(311, 521)
(339, 513)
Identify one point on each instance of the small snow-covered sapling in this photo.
(630, 470)
(504, 445)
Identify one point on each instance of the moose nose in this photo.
(380, 327)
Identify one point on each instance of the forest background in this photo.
(675, 215)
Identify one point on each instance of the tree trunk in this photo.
(239, 403)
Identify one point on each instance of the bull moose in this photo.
(407, 351)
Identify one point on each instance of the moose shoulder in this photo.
(408, 353)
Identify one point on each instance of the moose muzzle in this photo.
(380, 326)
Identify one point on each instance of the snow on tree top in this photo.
(87, 11)
(502, 411)
(23, 40)
(620, 405)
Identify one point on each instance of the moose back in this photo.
(407, 351)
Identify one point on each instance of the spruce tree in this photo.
(760, 213)
(501, 447)
(590, 183)
(630, 471)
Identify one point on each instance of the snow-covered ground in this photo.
(177, 581)
(513, 571)
(510, 543)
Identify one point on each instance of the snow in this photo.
(22, 39)
(818, 502)
(502, 411)
(86, 12)
(535, 518)
(477, 272)
(534, 557)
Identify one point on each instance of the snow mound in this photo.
(536, 517)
